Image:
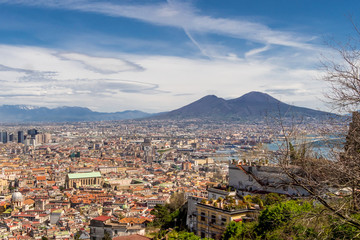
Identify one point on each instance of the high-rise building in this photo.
(4, 137)
(11, 137)
(47, 137)
(32, 132)
(21, 137)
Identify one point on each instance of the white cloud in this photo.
(44, 77)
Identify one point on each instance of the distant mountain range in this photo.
(22, 113)
(251, 106)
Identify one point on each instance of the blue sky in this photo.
(160, 55)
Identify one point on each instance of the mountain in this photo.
(251, 106)
(22, 113)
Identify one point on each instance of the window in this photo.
(250, 178)
(213, 219)
(223, 221)
(202, 216)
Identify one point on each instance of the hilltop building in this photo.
(251, 179)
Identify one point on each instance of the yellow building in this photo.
(212, 220)
(4, 185)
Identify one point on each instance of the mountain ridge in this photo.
(250, 106)
(19, 113)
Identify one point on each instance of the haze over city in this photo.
(156, 56)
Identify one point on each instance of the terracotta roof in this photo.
(132, 237)
(101, 218)
(28, 202)
(133, 220)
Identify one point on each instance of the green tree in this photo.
(162, 215)
(277, 215)
(273, 198)
(183, 235)
(233, 231)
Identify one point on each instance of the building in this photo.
(251, 178)
(214, 216)
(17, 199)
(186, 166)
(11, 137)
(21, 137)
(219, 192)
(212, 195)
(191, 218)
(4, 137)
(202, 161)
(153, 201)
(124, 227)
(76, 180)
(32, 132)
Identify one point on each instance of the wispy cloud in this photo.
(181, 15)
(102, 64)
(257, 51)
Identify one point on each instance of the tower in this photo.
(21, 137)
(4, 137)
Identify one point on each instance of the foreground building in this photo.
(209, 217)
(213, 217)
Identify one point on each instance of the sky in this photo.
(158, 55)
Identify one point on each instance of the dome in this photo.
(17, 197)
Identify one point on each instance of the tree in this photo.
(162, 215)
(320, 176)
(280, 214)
(335, 183)
(233, 231)
(177, 200)
(342, 72)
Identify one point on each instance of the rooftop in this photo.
(101, 218)
(84, 175)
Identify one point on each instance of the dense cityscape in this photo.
(88, 178)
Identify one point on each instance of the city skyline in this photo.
(158, 56)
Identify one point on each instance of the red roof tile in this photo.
(132, 237)
(101, 218)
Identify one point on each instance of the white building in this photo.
(252, 179)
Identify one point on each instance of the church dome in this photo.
(17, 197)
